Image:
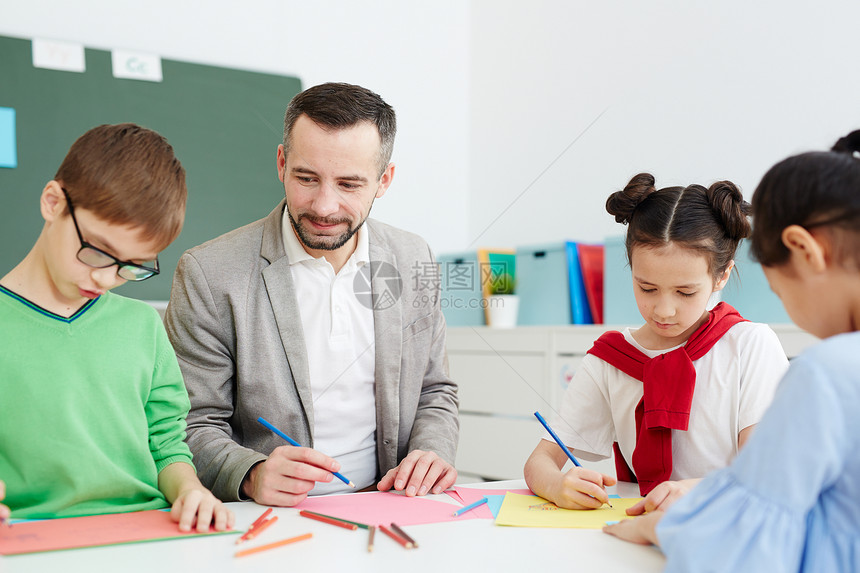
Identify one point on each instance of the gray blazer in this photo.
(234, 321)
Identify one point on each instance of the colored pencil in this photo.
(280, 543)
(257, 530)
(298, 445)
(397, 529)
(253, 529)
(469, 507)
(371, 533)
(560, 443)
(329, 520)
(260, 519)
(355, 523)
(402, 541)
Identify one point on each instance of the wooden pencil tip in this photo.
(352, 485)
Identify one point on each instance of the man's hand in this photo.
(420, 472)
(288, 475)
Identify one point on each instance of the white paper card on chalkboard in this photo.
(65, 56)
(136, 66)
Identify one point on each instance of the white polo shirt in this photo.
(341, 352)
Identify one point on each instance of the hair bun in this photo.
(621, 204)
(729, 207)
(849, 144)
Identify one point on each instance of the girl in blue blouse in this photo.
(791, 499)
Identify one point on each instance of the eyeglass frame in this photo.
(120, 264)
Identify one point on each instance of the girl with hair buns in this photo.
(791, 499)
(678, 396)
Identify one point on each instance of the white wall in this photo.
(691, 91)
(415, 57)
(493, 96)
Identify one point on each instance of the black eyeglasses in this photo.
(97, 258)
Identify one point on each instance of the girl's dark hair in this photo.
(816, 189)
(712, 220)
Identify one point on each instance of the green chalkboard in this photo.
(224, 125)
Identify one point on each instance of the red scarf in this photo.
(668, 382)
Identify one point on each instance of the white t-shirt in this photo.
(341, 349)
(735, 383)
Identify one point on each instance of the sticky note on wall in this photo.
(8, 140)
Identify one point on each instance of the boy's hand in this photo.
(419, 473)
(662, 497)
(198, 504)
(641, 530)
(4, 511)
(581, 488)
(287, 476)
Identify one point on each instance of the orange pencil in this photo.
(280, 543)
(329, 520)
(396, 537)
(257, 522)
(257, 530)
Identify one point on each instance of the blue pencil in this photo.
(298, 445)
(557, 440)
(463, 510)
(560, 443)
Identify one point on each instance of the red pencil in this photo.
(260, 519)
(330, 521)
(395, 537)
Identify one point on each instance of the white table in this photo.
(470, 545)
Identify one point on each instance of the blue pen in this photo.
(463, 510)
(298, 445)
(560, 443)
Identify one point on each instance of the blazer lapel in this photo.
(278, 279)
(388, 331)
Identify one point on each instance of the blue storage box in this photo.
(542, 285)
(619, 304)
(461, 296)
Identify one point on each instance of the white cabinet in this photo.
(505, 375)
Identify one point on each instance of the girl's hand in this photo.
(580, 488)
(663, 496)
(641, 530)
(198, 504)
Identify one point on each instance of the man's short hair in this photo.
(339, 106)
(127, 175)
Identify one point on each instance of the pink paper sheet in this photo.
(90, 531)
(382, 508)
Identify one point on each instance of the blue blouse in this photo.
(791, 499)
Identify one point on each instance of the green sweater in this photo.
(92, 408)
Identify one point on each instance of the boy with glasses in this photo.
(93, 403)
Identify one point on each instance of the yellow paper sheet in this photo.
(533, 511)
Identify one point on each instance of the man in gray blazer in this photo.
(323, 322)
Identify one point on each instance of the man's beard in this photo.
(323, 243)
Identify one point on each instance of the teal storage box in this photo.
(461, 298)
(749, 292)
(542, 285)
(619, 304)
